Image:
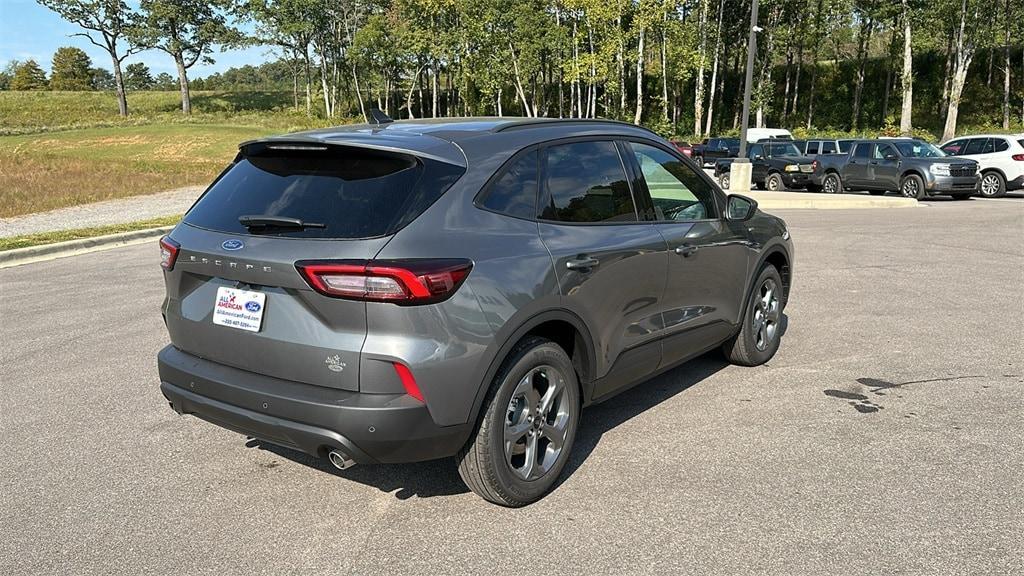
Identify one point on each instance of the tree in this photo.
(966, 46)
(28, 76)
(187, 31)
(106, 23)
(907, 78)
(71, 70)
(138, 77)
(102, 79)
(7, 74)
(164, 82)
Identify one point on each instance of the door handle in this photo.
(582, 263)
(686, 250)
(875, 162)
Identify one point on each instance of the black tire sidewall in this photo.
(999, 192)
(747, 333)
(920, 186)
(544, 353)
(838, 181)
(781, 186)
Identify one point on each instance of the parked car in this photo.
(713, 149)
(765, 134)
(1000, 158)
(814, 147)
(776, 165)
(460, 288)
(684, 147)
(914, 168)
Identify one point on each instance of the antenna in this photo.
(378, 118)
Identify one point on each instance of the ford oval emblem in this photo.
(233, 244)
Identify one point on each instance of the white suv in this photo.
(1000, 158)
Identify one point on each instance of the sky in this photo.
(30, 31)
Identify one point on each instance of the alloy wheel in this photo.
(773, 184)
(990, 185)
(536, 423)
(831, 185)
(767, 312)
(724, 180)
(910, 188)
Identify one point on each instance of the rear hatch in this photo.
(234, 294)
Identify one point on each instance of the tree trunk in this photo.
(907, 78)
(359, 95)
(309, 81)
(814, 64)
(664, 66)
(698, 94)
(947, 75)
(1006, 70)
(639, 78)
(186, 100)
(622, 68)
(122, 100)
(965, 48)
(863, 49)
(433, 88)
(714, 72)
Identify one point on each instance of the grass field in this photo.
(62, 149)
(77, 233)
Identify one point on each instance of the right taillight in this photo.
(404, 282)
(1018, 157)
(168, 252)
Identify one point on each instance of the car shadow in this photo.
(441, 477)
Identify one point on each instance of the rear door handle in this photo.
(686, 250)
(582, 263)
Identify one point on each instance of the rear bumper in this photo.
(370, 428)
(1015, 184)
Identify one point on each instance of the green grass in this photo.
(78, 233)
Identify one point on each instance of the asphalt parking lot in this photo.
(885, 437)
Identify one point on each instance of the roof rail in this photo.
(535, 122)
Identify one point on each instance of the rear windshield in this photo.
(340, 192)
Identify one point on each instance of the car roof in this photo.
(440, 138)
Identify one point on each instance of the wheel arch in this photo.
(995, 169)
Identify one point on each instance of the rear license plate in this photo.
(239, 308)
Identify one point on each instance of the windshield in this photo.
(918, 149)
(780, 149)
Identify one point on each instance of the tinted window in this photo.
(862, 150)
(844, 146)
(1000, 145)
(352, 192)
(828, 147)
(918, 149)
(515, 191)
(1021, 142)
(756, 150)
(953, 148)
(676, 191)
(585, 182)
(975, 146)
(882, 149)
(812, 147)
(787, 149)
(989, 146)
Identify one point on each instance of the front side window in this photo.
(515, 191)
(828, 147)
(677, 192)
(756, 150)
(585, 182)
(882, 150)
(863, 150)
(812, 147)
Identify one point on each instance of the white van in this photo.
(758, 134)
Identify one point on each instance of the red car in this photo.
(684, 147)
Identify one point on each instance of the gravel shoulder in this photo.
(105, 213)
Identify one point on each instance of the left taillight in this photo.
(168, 252)
(404, 282)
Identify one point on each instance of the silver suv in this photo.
(416, 290)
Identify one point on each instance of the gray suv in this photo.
(424, 289)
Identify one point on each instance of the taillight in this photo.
(403, 282)
(168, 252)
(1018, 157)
(814, 165)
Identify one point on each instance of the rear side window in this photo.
(844, 146)
(345, 192)
(862, 150)
(585, 182)
(1000, 145)
(515, 191)
(812, 147)
(828, 147)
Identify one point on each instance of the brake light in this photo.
(814, 165)
(168, 252)
(408, 382)
(1018, 157)
(404, 282)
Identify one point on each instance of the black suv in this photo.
(775, 165)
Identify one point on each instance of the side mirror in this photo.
(740, 208)
(891, 156)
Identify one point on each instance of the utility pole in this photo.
(740, 171)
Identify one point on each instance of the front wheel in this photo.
(775, 183)
(527, 426)
(723, 180)
(832, 184)
(992, 185)
(699, 160)
(761, 331)
(912, 187)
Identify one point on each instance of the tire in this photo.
(496, 463)
(876, 192)
(832, 184)
(962, 196)
(911, 186)
(993, 185)
(774, 183)
(699, 160)
(761, 329)
(723, 181)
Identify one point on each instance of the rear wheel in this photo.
(775, 183)
(758, 338)
(832, 184)
(699, 160)
(723, 180)
(527, 426)
(992, 185)
(912, 187)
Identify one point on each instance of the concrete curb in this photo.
(19, 256)
(807, 200)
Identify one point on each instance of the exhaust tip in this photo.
(340, 460)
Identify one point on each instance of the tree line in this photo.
(674, 65)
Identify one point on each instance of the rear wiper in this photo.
(269, 221)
